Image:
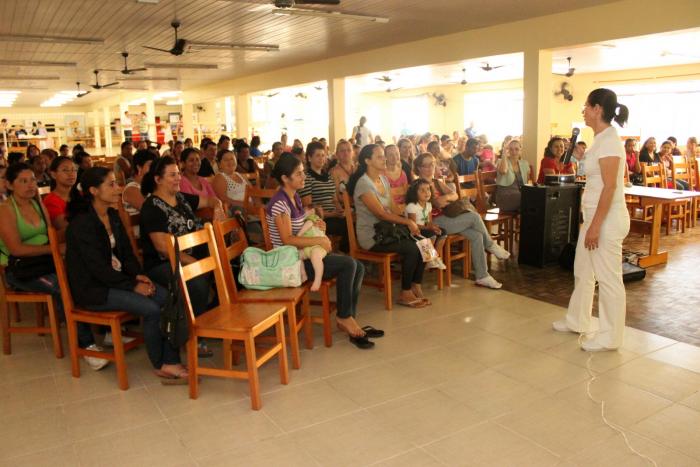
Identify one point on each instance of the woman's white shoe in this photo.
(489, 282)
(498, 251)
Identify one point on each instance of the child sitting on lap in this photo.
(419, 209)
(315, 253)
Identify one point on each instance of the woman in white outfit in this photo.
(606, 223)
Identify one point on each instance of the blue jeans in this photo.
(349, 273)
(159, 350)
(197, 288)
(49, 284)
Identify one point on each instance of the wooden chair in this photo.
(652, 175)
(681, 169)
(503, 221)
(113, 319)
(383, 259)
(231, 242)
(131, 223)
(253, 178)
(228, 321)
(9, 296)
(327, 306)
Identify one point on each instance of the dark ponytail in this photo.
(612, 110)
(148, 184)
(81, 200)
(365, 153)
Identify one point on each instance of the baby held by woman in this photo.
(315, 253)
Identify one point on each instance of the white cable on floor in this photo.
(602, 406)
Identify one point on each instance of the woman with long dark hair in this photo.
(64, 176)
(285, 217)
(373, 203)
(648, 154)
(103, 271)
(606, 223)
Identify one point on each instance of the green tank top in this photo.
(29, 234)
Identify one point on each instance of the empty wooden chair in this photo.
(231, 242)
(652, 175)
(228, 321)
(112, 319)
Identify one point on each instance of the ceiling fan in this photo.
(81, 93)
(385, 78)
(99, 86)
(464, 77)
(564, 92)
(272, 94)
(301, 95)
(182, 45)
(389, 89)
(289, 8)
(570, 72)
(126, 70)
(487, 67)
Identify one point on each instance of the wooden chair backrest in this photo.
(56, 239)
(472, 192)
(265, 228)
(256, 198)
(652, 175)
(231, 242)
(205, 213)
(350, 222)
(253, 178)
(200, 267)
(680, 169)
(486, 186)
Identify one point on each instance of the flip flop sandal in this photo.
(361, 342)
(169, 379)
(418, 303)
(373, 332)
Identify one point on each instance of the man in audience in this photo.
(223, 144)
(209, 167)
(466, 163)
(268, 181)
(362, 134)
(126, 126)
(63, 150)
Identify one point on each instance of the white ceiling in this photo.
(127, 25)
(656, 50)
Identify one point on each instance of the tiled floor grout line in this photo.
(495, 421)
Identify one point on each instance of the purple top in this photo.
(281, 204)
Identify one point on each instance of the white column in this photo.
(243, 116)
(228, 114)
(336, 111)
(537, 87)
(96, 125)
(151, 117)
(108, 130)
(124, 107)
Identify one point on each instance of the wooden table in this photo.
(656, 198)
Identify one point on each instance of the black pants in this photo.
(338, 226)
(127, 136)
(349, 273)
(412, 264)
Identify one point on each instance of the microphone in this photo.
(566, 158)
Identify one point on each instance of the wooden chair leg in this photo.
(228, 354)
(293, 336)
(448, 262)
(55, 330)
(72, 328)
(5, 325)
(252, 364)
(308, 325)
(192, 365)
(467, 260)
(119, 359)
(282, 356)
(326, 310)
(388, 302)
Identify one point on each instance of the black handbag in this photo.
(387, 233)
(174, 323)
(26, 268)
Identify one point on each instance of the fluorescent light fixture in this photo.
(137, 102)
(60, 98)
(36, 63)
(176, 102)
(51, 39)
(165, 95)
(224, 46)
(148, 2)
(29, 78)
(7, 98)
(328, 14)
(185, 66)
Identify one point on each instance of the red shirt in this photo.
(631, 160)
(55, 205)
(547, 163)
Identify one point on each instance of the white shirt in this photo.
(422, 214)
(607, 143)
(126, 123)
(365, 135)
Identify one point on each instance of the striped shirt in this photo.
(281, 204)
(321, 188)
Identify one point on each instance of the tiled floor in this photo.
(666, 302)
(477, 379)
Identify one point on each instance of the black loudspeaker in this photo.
(549, 221)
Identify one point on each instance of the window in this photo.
(494, 113)
(409, 115)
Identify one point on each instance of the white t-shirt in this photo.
(126, 123)
(365, 135)
(422, 214)
(607, 143)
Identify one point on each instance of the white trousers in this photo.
(604, 265)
